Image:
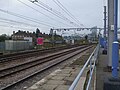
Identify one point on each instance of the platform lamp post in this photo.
(115, 47)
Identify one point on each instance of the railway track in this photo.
(13, 75)
(35, 61)
(32, 53)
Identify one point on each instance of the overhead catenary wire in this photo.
(17, 22)
(10, 26)
(63, 10)
(7, 22)
(50, 10)
(57, 12)
(43, 13)
(25, 17)
(67, 12)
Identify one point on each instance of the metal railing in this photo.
(92, 60)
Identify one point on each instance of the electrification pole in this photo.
(113, 83)
(105, 38)
(110, 31)
(115, 48)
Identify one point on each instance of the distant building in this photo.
(32, 37)
(25, 36)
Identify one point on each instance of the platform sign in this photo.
(40, 41)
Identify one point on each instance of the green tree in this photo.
(4, 37)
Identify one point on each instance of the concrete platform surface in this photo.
(60, 79)
(102, 71)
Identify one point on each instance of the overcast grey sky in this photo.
(88, 12)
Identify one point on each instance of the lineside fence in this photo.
(91, 63)
(10, 45)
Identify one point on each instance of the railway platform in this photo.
(102, 72)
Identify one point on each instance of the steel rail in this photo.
(13, 56)
(43, 69)
(35, 62)
(48, 56)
